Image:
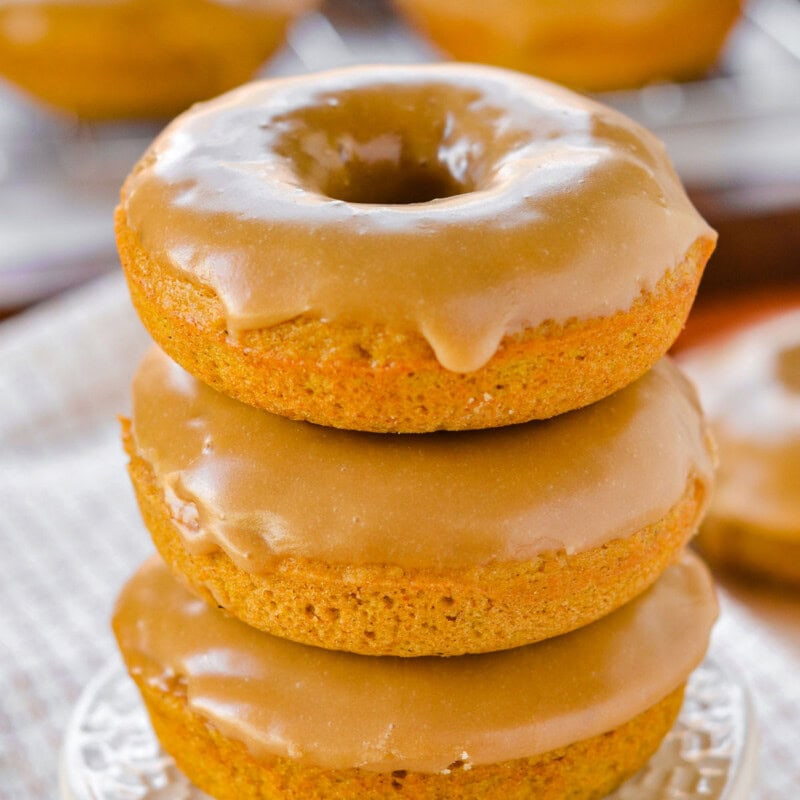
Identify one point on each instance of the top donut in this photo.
(410, 248)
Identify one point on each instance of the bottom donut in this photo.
(586, 770)
(247, 715)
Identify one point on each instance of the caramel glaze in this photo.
(749, 383)
(340, 710)
(262, 487)
(458, 202)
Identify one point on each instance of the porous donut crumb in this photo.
(369, 378)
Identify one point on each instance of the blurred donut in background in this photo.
(126, 59)
(744, 356)
(593, 45)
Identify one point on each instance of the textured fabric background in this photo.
(70, 535)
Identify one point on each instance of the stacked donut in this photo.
(423, 475)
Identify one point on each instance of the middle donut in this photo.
(441, 544)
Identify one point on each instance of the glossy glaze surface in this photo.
(262, 487)
(458, 202)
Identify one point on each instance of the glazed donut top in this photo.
(339, 710)
(749, 383)
(458, 202)
(261, 487)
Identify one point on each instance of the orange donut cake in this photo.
(439, 544)
(408, 249)
(593, 45)
(103, 59)
(750, 384)
(248, 716)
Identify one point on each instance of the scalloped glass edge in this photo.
(111, 753)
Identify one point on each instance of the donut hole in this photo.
(390, 146)
(392, 182)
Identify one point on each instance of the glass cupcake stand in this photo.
(111, 753)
